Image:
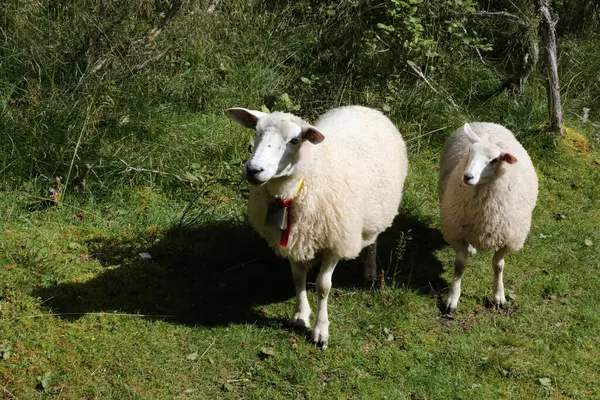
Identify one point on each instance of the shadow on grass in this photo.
(221, 274)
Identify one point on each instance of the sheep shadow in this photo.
(221, 273)
(405, 256)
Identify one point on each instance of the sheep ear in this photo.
(509, 158)
(247, 118)
(471, 135)
(312, 134)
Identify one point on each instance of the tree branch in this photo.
(513, 18)
(548, 36)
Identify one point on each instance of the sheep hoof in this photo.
(449, 312)
(500, 305)
(300, 322)
(370, 278)
(500, 301)
(321, 337)
(321, 344)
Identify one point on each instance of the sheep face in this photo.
(484, 163)
(275, 152)
(279, 138)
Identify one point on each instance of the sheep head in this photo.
(278, 143)
(485, 160)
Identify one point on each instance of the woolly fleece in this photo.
(352, 190)
(492, 215)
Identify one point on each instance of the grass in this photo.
(84, 316)
(79, 303)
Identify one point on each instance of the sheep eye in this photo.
(294, 141)
(494, 161)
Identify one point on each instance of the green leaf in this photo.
(227, 387)
(588, 242)
(546, 382)
(45, 380)
(387, 28)
(267, 351)
(306, 80)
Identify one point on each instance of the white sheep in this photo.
(487, 190)
(341, 182)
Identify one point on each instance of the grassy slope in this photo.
(79, 304)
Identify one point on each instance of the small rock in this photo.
(145, 256)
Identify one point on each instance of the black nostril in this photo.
(254, 171)
(468, 177)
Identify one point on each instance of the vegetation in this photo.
(146, 282)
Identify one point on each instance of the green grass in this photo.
(84, 317)
(78, 303)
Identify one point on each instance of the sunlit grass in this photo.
(85, 314)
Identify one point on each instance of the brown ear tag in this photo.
(277, 215)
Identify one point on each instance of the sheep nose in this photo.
(251, 174)
(467, 177)
(253, 171)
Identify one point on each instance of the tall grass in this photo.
(90, 82)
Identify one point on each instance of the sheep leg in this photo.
(370, 268)
(301, 318)
(459, 269)
(498, 264)
(321, 328)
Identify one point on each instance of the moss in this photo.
(576, 141)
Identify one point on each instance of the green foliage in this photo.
(376, 38)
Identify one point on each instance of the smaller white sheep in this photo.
(322, 193)
(487, 190)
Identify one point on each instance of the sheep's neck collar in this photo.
(278, 214)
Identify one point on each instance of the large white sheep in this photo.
(340, 181)
(487, 190)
